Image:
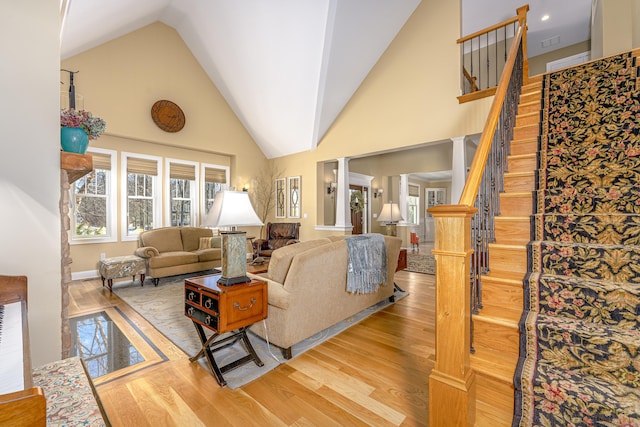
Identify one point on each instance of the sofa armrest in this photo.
(278, 295)
(147, 252)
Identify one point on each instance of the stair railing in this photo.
(463, 234)
(483, 56)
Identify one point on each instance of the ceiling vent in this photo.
(550, 41)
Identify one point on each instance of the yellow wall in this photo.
(616, 27)
(409, 98)
(121, 80)
(538, 64)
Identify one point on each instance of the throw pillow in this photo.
(205, 243)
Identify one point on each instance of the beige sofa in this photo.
(170, 251)
(307, 289)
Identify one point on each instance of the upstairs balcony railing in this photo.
(463, 234)
(483, 56)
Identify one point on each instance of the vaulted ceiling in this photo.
(288, 67)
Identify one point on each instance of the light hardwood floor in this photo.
(374, 373)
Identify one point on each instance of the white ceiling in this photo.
(288, 67)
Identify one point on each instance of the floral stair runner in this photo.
(580, 330)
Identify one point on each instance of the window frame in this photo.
(195, 199)
(157, 194)
(111, 204)
(417, 205)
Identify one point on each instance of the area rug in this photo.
(421, 262)
(163, 307)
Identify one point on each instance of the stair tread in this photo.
(523, 156)
(526, 219)
(524, 173)
(526, 194)
(509, 323)
(505, 277)
(507, 314)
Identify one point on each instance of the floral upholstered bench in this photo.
(122, 266)
(71, 397)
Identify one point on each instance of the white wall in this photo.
(30, 163)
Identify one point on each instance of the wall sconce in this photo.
(377, 193)
(331, 188)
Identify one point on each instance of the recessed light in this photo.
(544, 18)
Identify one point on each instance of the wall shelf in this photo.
(76, 165)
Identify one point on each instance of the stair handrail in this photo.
(486, 86)
(452, 381)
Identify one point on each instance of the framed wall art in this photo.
(281, 198)
(294, 197)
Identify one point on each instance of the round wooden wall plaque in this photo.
(167, 116)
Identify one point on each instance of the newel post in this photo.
(452, 397)
(522, 19)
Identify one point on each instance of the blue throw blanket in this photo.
(367, 264)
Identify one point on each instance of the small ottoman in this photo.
(122, 266)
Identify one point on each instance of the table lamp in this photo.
(232, 209)
(390, 214)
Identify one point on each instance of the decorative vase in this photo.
(74, 140)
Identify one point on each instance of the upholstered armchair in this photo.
(279, 234)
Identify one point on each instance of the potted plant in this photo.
(77, 127)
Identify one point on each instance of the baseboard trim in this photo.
(82, 275)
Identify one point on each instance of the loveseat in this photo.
(307, 285)
(170, 251)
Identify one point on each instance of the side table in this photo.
(224, 309)
(402, 264)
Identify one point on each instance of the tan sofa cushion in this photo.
(281, 258)
(170, 259)
(191, 237)
(163, 239)
(211, 254)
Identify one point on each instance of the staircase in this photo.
(496, 336)
(562, 258)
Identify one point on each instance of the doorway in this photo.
(359, 206)
(433, 197)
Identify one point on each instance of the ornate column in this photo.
(343, 210)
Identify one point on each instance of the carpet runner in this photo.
(580, 331)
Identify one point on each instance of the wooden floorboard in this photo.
(374, 373)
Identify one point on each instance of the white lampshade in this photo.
(390, 213)
(231, 209)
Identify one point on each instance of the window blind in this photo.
(142, 166)
(215, 175)
(414, 191)
(101, 161)
(182, 171)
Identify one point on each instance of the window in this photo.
(216, 178)
(142, 194)
(414, 204)
(92, 205)
(182, 200)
